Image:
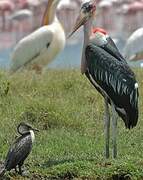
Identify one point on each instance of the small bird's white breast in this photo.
(32, 135)
(136, 85)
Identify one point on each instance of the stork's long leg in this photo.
(107, 128)
(114, 130)
(16, 169)
(20, 169)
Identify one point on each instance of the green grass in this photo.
(69, 113)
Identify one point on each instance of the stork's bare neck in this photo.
(85, 17)
(87, 32)
(50, 12)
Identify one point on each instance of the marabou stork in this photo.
(39, 48)
(109, 73)
(20, 149)
(134, 46)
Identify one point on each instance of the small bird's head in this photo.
(24, 128)
(99, 36)
(87, 11)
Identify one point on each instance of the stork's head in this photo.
(87, 11)
(99, 36)
(24, 128)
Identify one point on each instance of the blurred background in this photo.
(18, 18)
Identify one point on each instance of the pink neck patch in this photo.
(94, 30)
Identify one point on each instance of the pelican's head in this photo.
(24, 128)
(87, 11)
(50, 12)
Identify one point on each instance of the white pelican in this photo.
(39, 48)
(134, 46)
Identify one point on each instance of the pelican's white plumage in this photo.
(134, 46)
(40, 47)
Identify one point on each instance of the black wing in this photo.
(116, 79)
(18, 152)
(112, 49)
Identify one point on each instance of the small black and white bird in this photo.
(109, 73)
(20, 149)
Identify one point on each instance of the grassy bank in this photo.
(69, 113)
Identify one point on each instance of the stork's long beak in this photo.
(81, 19)
(85, 13)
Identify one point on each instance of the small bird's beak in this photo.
(81, 19)
(34, 129)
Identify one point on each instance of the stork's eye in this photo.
(87, 7)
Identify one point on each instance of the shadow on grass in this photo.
(53, 162)
(71, 174)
